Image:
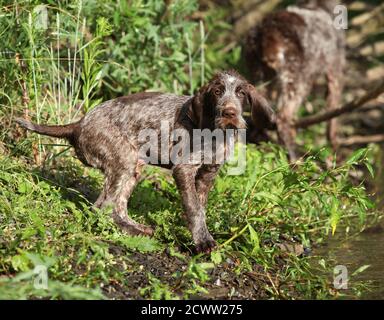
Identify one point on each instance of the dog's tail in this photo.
(65, 131)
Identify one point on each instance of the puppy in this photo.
(110, 138)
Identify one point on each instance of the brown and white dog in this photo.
(291, 49)
(108, 138)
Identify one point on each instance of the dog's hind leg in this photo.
(118, 187)
(101, 198)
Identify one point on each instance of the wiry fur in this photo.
(291, 49)
(107, 138)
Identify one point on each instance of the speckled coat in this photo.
(290, 49)
(108, 138)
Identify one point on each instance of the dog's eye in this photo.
(217, 92)
(241, 93)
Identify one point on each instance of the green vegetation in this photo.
(47, 221)
(57, 73)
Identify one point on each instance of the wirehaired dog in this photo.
(108, 138)
(290, 49)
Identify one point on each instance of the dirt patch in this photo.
(225, 282)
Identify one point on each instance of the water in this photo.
(365, 249)
(368, 247)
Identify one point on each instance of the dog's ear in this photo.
(201, 111)
(262, 113)
(195, 111)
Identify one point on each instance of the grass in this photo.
(46, 219)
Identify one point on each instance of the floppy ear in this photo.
(201, 111)
(195, 111)
(262, 114)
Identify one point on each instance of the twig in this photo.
(361, 140)
(330, 114)
(236, 235)
(273, 284)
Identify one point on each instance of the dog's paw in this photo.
(137, 229)
(145, 230)
(206, 246)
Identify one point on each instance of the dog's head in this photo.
(220, 103)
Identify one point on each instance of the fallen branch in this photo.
(330, 114)
(347, 142)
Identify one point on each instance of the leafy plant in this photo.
(92, 69)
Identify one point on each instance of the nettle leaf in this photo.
(254, 238)
(216, 257)
(20, 262)
(263, 195)
(24, 187)
(5, 176)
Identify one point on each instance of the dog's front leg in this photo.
(185, 176)
(205, 178)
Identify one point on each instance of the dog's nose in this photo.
(229, 113)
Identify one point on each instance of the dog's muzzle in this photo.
(231, 118)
